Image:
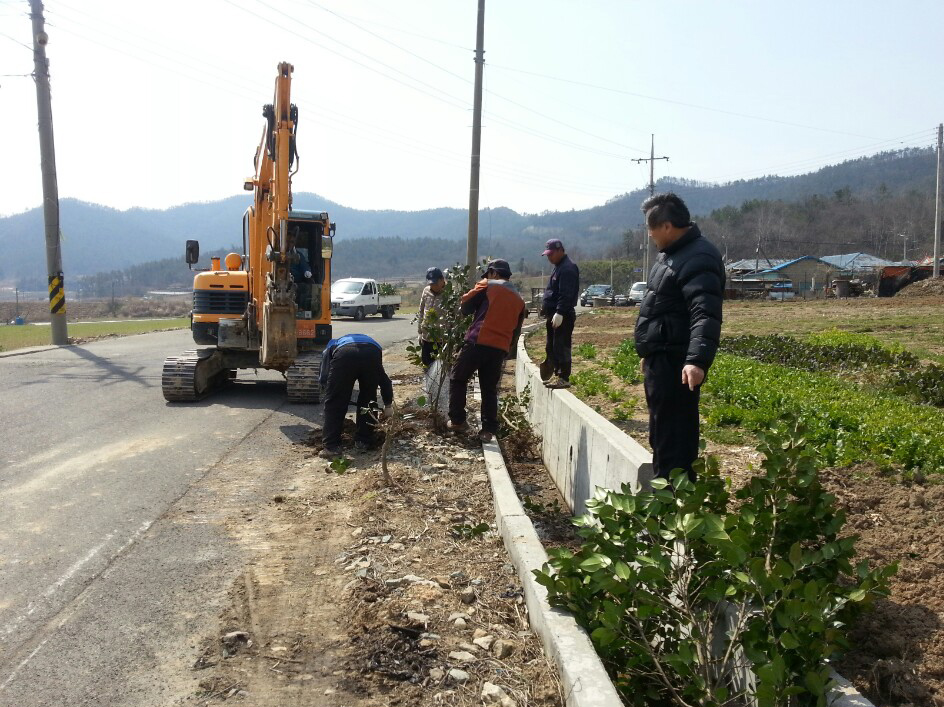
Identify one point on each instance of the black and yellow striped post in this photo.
(57, 294)
(47, 153)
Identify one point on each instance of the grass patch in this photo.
(18, 337)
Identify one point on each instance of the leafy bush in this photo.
(625, 363)
(590, 383)
(846, 425)
(925, 385)
(625, 410)
(587, 351)
(447, 329)
(822, 352)
(682, 594)
(895, 369)
(385, 289)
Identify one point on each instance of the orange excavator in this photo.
(271, 306)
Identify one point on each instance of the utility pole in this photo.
(47, 152)
(651, 159)
(473, 239)
(936, 268)
(904, 247)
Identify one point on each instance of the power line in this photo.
(459, 103)
(673, 101)
(332, 120)
(17, 41)
(465, 80)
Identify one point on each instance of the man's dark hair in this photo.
(666, 207)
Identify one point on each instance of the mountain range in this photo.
(387, 243)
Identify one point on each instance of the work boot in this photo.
(486, 436)
(558, 383)
(331, 453)
(457, 427)
(361, 446)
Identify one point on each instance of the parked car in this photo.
(637, 292)
(586, 297)
(359, 296)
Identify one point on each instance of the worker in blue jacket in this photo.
(346, 360)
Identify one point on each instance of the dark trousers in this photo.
(428, 352)
(673, 416)
(558, 344)
(487, 360)
(360, 363)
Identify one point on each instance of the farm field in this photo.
(865, 377)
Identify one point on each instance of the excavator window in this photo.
(308, 241)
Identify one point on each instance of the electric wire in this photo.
(246, 92)
(685, 104)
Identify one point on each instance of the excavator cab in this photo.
(310, 236)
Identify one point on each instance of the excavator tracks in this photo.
(192, 375)
(301, 379)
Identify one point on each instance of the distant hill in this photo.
(390, 243)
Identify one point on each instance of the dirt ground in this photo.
(366, 596)
(897, 654)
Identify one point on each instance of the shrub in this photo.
(588, 351)
(681, 594)
(589, 383)
(625, 363)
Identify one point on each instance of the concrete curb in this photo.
(31, 350)
(584, 678)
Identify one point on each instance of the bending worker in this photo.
(354, 357)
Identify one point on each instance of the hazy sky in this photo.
(159, 103)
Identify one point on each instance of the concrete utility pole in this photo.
(651, 159)
(936, 268)
(47, 152)
(473, 240)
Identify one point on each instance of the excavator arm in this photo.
(275, 157)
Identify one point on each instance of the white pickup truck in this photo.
(359, 296)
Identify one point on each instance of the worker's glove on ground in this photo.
(557, 320)
(388, 412)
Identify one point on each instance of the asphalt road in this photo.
(106, 539)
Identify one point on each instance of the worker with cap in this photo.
(346, 360)
(430, 312)
(559, 310)
(498, 314)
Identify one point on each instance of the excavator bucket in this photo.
(279, 345)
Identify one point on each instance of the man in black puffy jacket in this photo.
(678, 330)
(559, 310)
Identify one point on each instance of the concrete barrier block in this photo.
(507, 504)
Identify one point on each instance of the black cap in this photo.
(500, 266)
(434, 275)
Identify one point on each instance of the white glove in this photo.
(557, 320)
(308, 274)
(388, 411)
